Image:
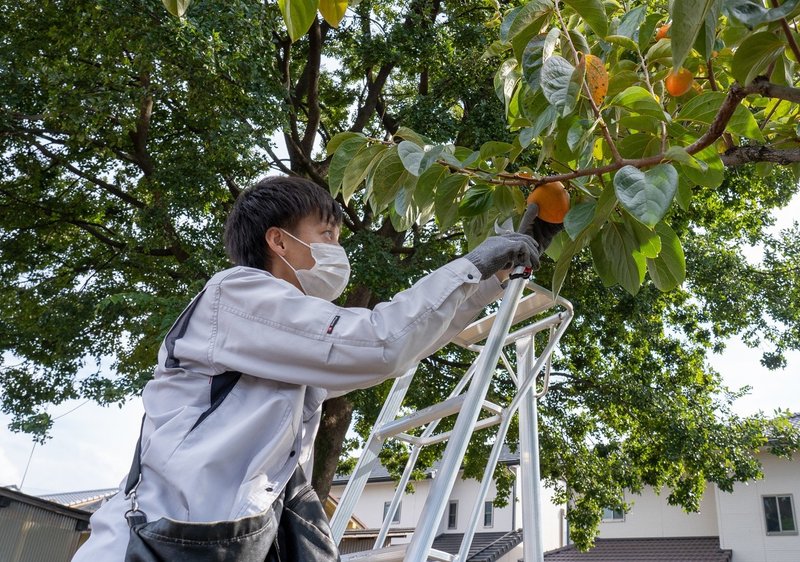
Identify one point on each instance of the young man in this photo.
(235, 402)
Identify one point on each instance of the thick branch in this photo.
(739, 155)
(374, 89)
(308, 86)
(113, 189)
(140, 135)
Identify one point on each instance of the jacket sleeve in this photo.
(265, 327)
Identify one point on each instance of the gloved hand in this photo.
(503, 252)
(543, 232)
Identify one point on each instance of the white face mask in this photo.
(330, 274)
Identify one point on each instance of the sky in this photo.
(91, 446)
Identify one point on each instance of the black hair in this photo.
(279, 201)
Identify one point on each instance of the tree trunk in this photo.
(336, 416)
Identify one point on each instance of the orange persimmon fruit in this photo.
(680, 82)
(553, 201)
(662, 32)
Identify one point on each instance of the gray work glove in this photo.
(543, 232)
(503, 252)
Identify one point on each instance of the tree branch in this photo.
(374, 88)
(308, 85)
(113, 189)
(740, 155)
(788, 32)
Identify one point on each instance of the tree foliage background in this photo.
(127, 132)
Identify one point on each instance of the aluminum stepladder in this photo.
(552, 313)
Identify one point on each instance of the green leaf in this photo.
(605, 204)
(593, 13)
(754, 55)
(344, 154)
(176, 7)
(558, 86)
(630, 23)
(425, 192)
(338, 139)
(684, 195)
(601, 262)
(687, 19)
(358, 168)
(627, 264)
(532, 61)
(528, 23)
(707, 35)
(639, 100)
(407, 134)
(333, 11)
(714, 173)
(505, 81)
(579, 217)
(416, 159)
(386, 179)
(679, 154)
(639, 145)
(752, 13)
(503, 199)
(298, 16)
(648, 29)
(539, 111)
(477, 200)
(508, 20)
(668, 270)
(646, 195)
(622, 41)
(446, 203)
(704, 108)
(491, 149)
(647, 240)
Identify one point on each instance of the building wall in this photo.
(742, 522)
(652, 516)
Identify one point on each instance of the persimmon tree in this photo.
(586, 89)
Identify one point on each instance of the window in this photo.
(488, 514)
(396, 518)
(779, 515)
(613, 514)
(452, 515)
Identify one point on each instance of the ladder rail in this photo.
(412, 461)
(364, 466)
(433, 510)
(525, 385)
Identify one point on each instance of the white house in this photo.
(497, 537)
(757, 522)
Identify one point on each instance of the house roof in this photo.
(485, 547)
(8, 495)
(657, 549)
(381, 474)
(87, 500)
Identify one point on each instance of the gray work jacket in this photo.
(204, 463)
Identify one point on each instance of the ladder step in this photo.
(395, 553)
(398, 427)
(422, 417)
(528, 307)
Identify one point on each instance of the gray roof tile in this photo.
(657, 549)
